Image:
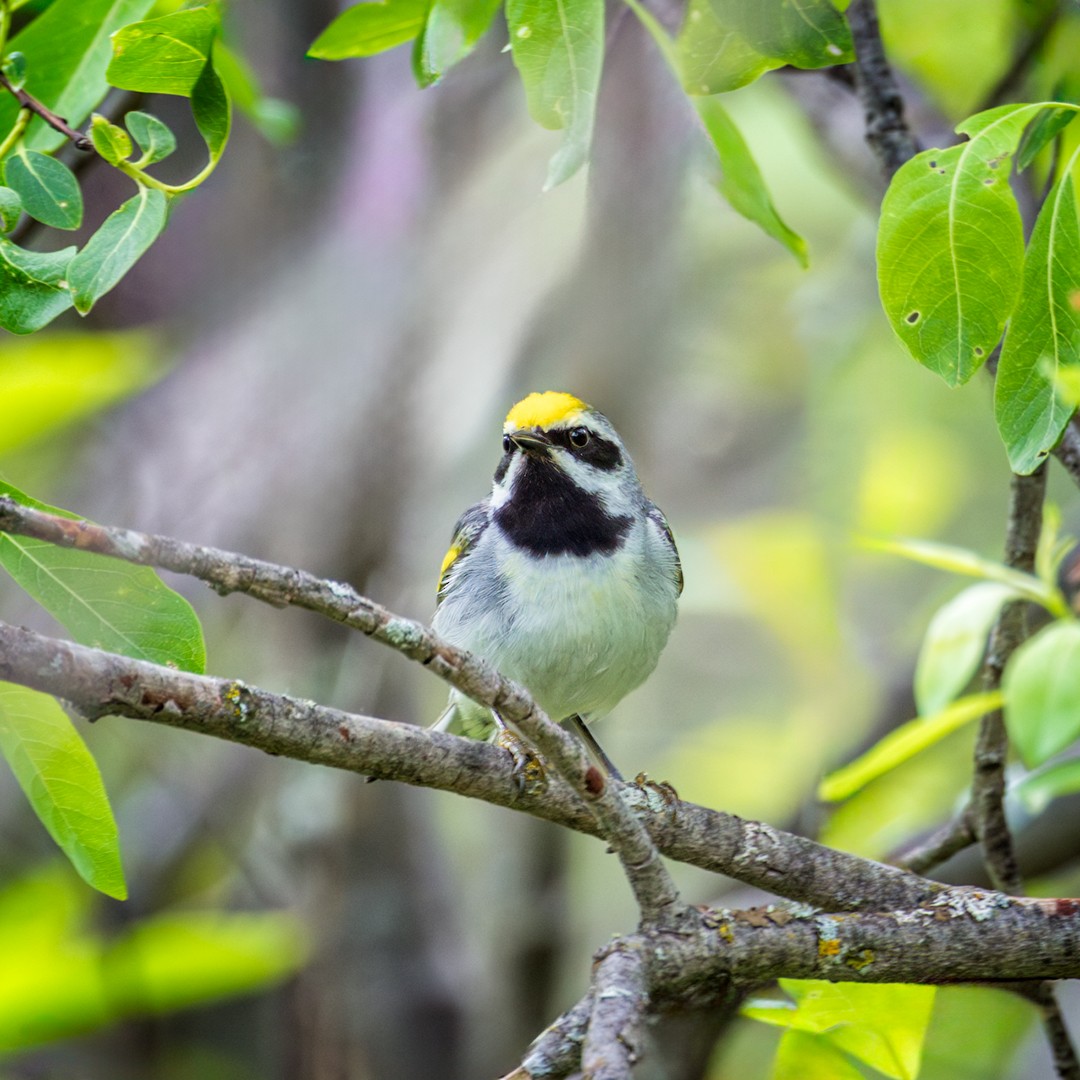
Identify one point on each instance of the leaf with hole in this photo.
(950, 246)
(1042, 692)
(370, 28)
(61, 779)
(33, 286)
(104, 603)
(1044, 335)
(558, 49)
(47, 187)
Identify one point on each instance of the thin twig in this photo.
(79, 139)
(1006, 87)
(940, 846)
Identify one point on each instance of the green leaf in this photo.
(808, 1057)
(802, 33)
(14, 68)
(112, 251)
(1042, 692)
(50, 381)
(712, 57)
(67, 49)
(883, 1025)
(61, 779)
(954, 644)
(950, 246)
(165, 55)
(451, 31)
(275, 119)
(111, 142)
(210, 107)
(173, 961)
(1044, 335)
(903, 743)
(151, 135)
(33, 287)
(104, 603)
(10, 208)
(1047, 126)
(47, 187)
(740, 181)
(370, 28)
(1038, 789)
(558, 49)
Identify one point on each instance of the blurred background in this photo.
(312, 366)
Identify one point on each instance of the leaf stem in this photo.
(16, 132)
(141, 177)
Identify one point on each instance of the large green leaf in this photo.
(112, 251)
(370, 28)
(52, 380)
(451, 31)
(47, 188)
(799, 33)
(33, 286)
(1044, 335)
(558, 48)
(740, 180)
(883, 1025)
(808, 1057)
(954, 644)
(67, 49)
(165, 55)
(62, 782)
(1042, 692)
(210, 107)
(950, 246)
(105, 603)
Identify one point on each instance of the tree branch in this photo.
(655, 892)
(79, 139)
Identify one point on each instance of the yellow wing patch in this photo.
(543, 410)
(448, 560)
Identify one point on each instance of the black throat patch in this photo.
(548, 514)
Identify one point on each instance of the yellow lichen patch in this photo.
(860, 961)
(542, 410)
(828, 947)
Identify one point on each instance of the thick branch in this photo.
(99, 683)
(228, 572)
(620, 999)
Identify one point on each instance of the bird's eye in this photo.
(506, 444)
(579, 437)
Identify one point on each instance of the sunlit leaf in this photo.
(740, 180)
(67, 50)
(451, 31)
(1042, 692)
(809, 1057)
(1044, 335)
(111, 142)
(105, 603)
(47, 188)
(903, 743)
(174, 961)
(112, 251)
(954, 644)
(61, 779)
(962, 561)
(1047, 126)
(370, 28)
(558, 48)
(165, 55)
(52, 380)
(950, 246)
(33, 286)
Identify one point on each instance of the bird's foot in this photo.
(659, 794)
(528, 768)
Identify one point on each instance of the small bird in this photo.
(565, 578)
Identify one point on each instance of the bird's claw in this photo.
(657, 790)
(528, 770)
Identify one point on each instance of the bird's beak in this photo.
(530, 440)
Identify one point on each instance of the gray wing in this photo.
(467, 531)
(656, 515)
